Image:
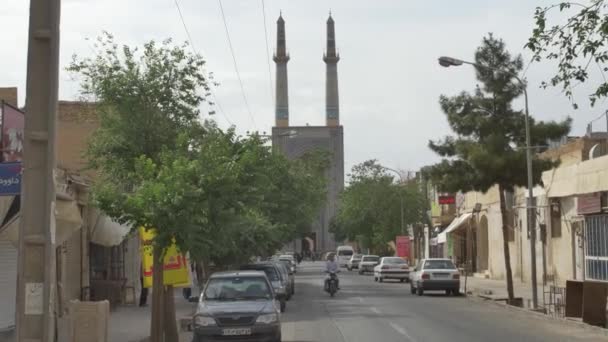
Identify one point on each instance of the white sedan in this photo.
(392, 268)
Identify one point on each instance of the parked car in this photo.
(392, 268)
(279, 285)
(288, 263)
(435, 275)
(291, 259)
(286, 274)
(367, 263)
(237, 305)
(354, 262)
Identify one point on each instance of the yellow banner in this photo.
(175, 265)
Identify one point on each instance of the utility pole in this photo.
(36, 265)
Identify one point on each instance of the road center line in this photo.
(376, 311)
(402, 331)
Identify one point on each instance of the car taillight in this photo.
(426, 276)
(385, 267)
(456, 276)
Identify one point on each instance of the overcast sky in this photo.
(389, 78)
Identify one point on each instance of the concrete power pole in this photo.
(36, 265)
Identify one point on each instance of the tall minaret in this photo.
(331, 58)
(281, 57)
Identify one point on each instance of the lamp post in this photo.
(449, 61)
(400, 196)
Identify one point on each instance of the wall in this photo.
(9, 95)
(75, 125)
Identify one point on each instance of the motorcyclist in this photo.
(331, 266)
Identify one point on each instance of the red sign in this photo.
(13, 122)
(447, 199)
(403, 246)
(590, 203)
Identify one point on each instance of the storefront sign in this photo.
(589, 203)
(10, 179)
(403, 246)
(447, 199)
(176, 269)
(13, 121)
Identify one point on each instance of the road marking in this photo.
(402, 331)
(376, 311)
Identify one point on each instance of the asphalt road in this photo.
(365, 311)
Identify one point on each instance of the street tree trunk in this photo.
(157, 326)
(505, 239)
(171, 333)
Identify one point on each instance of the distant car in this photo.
(237, 305)
(354, 262)
(435, 275)
(327, 255)
(279, 285)
(367, 263)
(291, 265)
(344, 253)
(392, 268)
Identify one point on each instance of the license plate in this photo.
(236, 332)
(441, 275)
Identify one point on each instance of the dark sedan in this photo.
(237, 306)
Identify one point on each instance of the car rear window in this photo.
(439, 265)
(394, 261)
(370, 258)
(345, 252)
(237, 288)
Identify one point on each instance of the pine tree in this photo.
(489, 146)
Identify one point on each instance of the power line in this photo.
(267, 51)
(236, 68)
(191, 42)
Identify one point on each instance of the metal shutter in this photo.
(8, 284)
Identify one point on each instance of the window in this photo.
(370, 258)
(439, 265)
(596, 250)
(237, 288)
(556, 218)
(345, 252)
(393, 261)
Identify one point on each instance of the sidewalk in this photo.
(132, 323)
(497, 289)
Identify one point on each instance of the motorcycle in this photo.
(331, 284)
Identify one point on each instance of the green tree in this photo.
(147, 103)
(489, 146)
(578, 43)
(370, 207)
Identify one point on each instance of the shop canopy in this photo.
(456, 223)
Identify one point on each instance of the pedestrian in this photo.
(143, 297)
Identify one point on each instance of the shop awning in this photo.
(107, 232)
(68, 220)
(456, 223)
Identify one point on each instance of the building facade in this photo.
(294, 141)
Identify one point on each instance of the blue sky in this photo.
(388, 76)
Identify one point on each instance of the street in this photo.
(365, 311)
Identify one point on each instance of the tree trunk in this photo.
(171, 333)
(157, 321)
(505, 239)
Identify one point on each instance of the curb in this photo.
(539, 315)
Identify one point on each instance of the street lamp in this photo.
(400, 195)
(448, 62)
